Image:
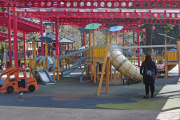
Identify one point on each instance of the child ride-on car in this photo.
(17, 82)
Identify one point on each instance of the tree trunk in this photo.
(148, 40)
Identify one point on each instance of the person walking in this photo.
(148, 64)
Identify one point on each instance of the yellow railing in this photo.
(159, 57)
(145, 57)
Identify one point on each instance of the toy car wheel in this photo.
(10, 89)
(31, 88)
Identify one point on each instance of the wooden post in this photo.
(47, 63)
(121, 78)
(45, 47)
(58, 68)
(107, 76)
(127, 50)
(30, 67)
(97, 71)
(94, 63)
(114, 77)
(166, 65)
(142, 57)
(106, 38)
(110, 63)
(178, 43)
(90, 53)
(110, 72)
(110, 37)
(103, 69)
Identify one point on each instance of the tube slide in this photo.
(124, 66)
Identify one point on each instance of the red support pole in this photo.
(42, 45)
(53, 29)
(24, 42)
(138, 44)
(9, 36)
(15, 37)
(145, 38)
(57, 38)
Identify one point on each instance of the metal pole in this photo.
(138, 44)
(147, 46)
(24, 35)
(15, 37)
(57, 38)
(42, 45)
(9, 36)
(145, 38)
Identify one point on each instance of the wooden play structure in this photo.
(44, 65)
(14, 82)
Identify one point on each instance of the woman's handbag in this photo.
(149, 73)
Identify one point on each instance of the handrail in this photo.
(71, 54)
(74, 67)
(147, 46)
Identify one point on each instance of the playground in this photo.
(70, 93)
(86, 56)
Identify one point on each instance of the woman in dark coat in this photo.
(148, 81)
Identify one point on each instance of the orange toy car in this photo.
(17, 82)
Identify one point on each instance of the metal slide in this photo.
(45, 77)
(72, 68)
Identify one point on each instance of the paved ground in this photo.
(69, 99)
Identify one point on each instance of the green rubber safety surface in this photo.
(140, 104)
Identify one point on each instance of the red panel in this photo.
(119, 21)
(96, 14)
(140, 4)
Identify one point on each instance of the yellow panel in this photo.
(56, 62)
(172, 56)
(103, 52)
(96, 52)
(32, 63)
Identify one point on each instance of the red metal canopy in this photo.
(98, 13)
(131, 4)
(117, 21)
(4, 36)
(22, 24)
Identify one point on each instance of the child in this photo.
(160, 65)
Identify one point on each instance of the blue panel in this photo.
(25, 82)
(7, 54)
